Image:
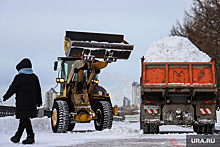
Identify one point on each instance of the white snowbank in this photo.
(44, 136)
(175, 49)
(10, 124)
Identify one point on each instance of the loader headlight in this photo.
(60, 80)
(95, 81)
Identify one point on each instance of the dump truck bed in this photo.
(178, 74)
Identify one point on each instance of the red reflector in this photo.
(148, 102)
(206, 102)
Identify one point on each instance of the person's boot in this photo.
(16, 137)
(29, 139)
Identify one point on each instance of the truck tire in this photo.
(195, 128)
(104, 115)
(145, 128)
(154, 129)
(210, 129)
(60, 117)
(201, 129)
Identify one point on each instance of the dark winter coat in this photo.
(27, 90)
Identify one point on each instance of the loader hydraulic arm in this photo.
(95, 70)
(79, 64)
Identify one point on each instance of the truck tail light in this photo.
(149, 102)
(207, 102)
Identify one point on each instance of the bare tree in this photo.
(201, 25)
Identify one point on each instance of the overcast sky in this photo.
(36, 29)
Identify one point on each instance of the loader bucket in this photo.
(89, 46)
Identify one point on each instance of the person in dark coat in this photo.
(27, 88)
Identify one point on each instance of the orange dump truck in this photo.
(178, 93)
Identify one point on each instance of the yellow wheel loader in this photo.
(81, 98)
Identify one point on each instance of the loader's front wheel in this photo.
(104, 114)
(60, 117)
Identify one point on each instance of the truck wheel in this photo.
(104, 114)
(154, 129)
(141, 125)
(201, 130)
(60, 117)
(145, 128)
(210, 129)
(195, 128)
(158, 129)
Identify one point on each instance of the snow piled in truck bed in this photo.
(175, 49)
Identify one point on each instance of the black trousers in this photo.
(25, 123)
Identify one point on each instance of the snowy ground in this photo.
(121, 134)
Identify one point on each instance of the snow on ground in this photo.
(175, 49)
(45, 137)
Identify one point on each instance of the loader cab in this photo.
(65, 65)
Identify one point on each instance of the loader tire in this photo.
(60, 117)
(71, 127)
(104, 114)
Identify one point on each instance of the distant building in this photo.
(49, 98)
(126, 102)
(136, 94)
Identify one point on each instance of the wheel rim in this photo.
(99, 115)
(54, 117)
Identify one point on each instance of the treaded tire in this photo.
(71, 127)
(201, 129)
(145, 128)
(154, 129)
(195, 128)
(60, 117)
(104, 115)
(210, 129)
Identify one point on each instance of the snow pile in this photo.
(9, 125)
(118, 131)
(116, 136)
(175, 49)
